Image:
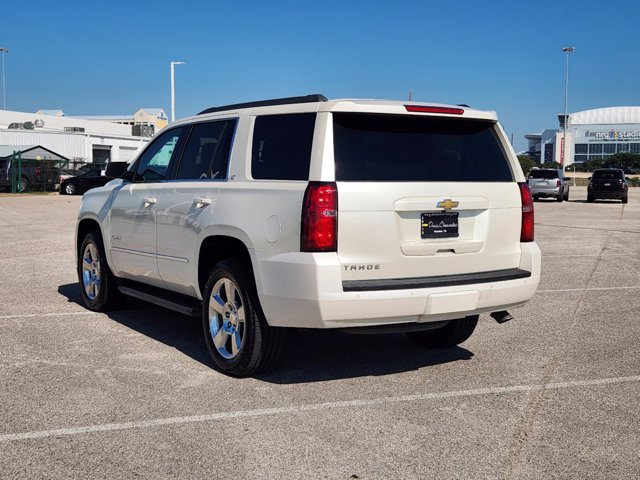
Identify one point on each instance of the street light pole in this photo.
(4, 92)
(173, 91)
(566, 50)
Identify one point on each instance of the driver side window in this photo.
(154, 162)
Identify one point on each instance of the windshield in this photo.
(374, 147)
(543, 174)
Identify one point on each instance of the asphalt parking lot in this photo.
(131, 394)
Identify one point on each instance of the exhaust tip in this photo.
(501, 316)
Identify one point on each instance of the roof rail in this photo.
(267, 103)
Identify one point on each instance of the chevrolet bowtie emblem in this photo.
(447, 204)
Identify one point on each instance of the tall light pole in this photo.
(173, 92)
(566, 50)
(4, 90)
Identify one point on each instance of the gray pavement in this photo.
(131, 394)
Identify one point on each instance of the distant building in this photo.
(77, 139)
(155, 117)
(591, 135)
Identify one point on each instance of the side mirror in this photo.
(116, 169)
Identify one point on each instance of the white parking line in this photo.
(592, 255)
(265, 412)
(55, 314)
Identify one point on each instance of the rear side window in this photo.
(543, 174)
(607, 175)
(206, 154)
(282, 146)
(371, 147)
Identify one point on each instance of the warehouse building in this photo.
(591, 135)
(78, 139)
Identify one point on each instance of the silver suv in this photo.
(548, 182)
(366, 215)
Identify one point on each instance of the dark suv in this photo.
(32, 174)
(608, 183)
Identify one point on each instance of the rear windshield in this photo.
(371, 147)
(607, 175)
(543, 174)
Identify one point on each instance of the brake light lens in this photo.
(558, 183)
(443, 110)
(526, 230)
(319, 232)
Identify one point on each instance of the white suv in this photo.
(308, 213)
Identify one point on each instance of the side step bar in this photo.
(180, 305)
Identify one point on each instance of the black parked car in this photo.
(608, 183)
(85, 181)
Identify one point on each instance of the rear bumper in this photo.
(615, 194)
(545, 191)
(306, 291)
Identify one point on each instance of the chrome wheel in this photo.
(227, 318)
(91, 271)
(70, 189)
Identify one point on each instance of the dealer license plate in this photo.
(439, 225)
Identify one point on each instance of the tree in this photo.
(526, 163)
(629, 162)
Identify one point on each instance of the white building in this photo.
(78, 139)
(591, 135)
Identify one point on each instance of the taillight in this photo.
(444, 110)
(558, 183)
(526, 230)
(319, 232)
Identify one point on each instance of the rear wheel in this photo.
(559, 197)
(453, 333)
(238, 338)
(566, 196)
(625, 199)
(589, 198)
(23, 184)
(70, 189)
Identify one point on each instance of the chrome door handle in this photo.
(149, 201)
(202, 202)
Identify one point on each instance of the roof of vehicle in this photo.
(319, 103)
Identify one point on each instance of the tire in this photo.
(589, 198)
(97, 283)
(453, 333)
(23, 185)
(559, 197)
(566, 197)
(238, 338)
(70, 189)
(536, 198)
(625, 199)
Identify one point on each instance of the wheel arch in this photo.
(215, 248)
(85, 226)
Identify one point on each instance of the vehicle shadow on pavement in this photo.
(307, 356)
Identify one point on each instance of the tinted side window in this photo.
(282, 146)
(154, 162)
(371, 147)
(203, 154)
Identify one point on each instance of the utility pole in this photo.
(563, 147)
(4, 88)
(173, 91)
(410, 95)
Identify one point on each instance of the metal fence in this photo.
(19, 175)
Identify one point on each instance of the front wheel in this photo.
(453, 333)
(70, 189)
(238, 338)
(98, 285)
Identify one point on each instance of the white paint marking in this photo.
(264, 412)
(593, 289)
(56, 314)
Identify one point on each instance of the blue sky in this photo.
(112, 58)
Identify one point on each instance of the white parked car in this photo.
(308, 213)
